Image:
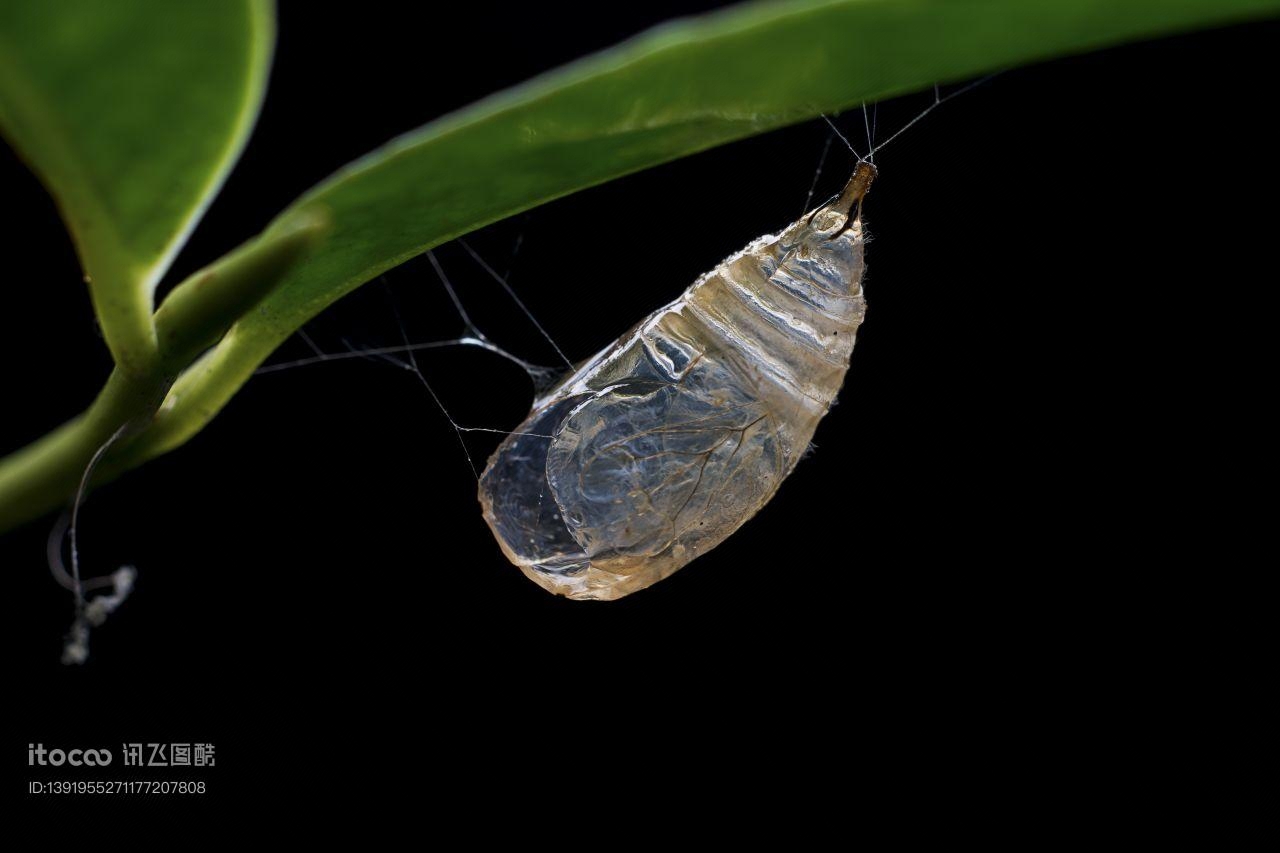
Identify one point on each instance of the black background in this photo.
(1020, 470)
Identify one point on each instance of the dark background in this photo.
(1024, 466)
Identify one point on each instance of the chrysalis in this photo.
(663, 444)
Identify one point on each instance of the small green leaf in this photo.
(132, 113)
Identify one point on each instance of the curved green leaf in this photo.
(676, 90)
(131, 112)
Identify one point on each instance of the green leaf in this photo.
(132, 113)
(676, 90)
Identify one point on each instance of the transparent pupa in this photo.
(662, 445)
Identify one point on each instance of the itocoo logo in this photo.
(38, 755)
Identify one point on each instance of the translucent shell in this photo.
(663, 444)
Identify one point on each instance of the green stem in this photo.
(199, 311)
(45, 474)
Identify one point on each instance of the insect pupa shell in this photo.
(663, 444)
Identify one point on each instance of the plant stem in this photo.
(45, 473)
